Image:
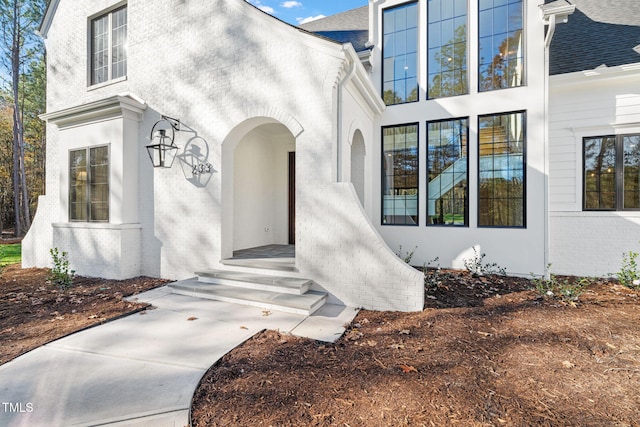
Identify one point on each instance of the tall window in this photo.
(501, 57)
(400, 175)
(89, 184)
(501, 170)
(400, 54)
(612, 172)
(108, 46)
(447, 42)
(447, 192)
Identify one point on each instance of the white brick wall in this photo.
(222, 68)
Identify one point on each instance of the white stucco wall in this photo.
(520, 251)
(594, 103)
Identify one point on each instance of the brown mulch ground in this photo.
(33, 313)
(486, 351)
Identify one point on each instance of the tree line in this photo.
(22, 100)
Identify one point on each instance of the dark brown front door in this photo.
(292, 198)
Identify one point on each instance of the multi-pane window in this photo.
(612, 172)
(447, 48)
(108, 46)
(400, 175)
(501, 170)
(447, 167)
(400, 54)
(89, 184)
(501, 56)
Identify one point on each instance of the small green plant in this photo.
(406, 257)
(434, 277)
(477, 267)
(628, 274)
(565, 289)
(60, 274)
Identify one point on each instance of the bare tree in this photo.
(20, 47)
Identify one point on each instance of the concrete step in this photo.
(304, 304)
(280, 264)
(279, 284)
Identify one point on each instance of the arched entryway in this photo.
(258, 187)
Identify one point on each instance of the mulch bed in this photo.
(33, 312)
(487, 351)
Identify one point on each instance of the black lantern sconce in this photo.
(162, 149)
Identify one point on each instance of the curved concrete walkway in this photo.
(141, 370)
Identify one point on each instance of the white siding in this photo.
(596, 103)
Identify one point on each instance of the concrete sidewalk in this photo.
(141, 370)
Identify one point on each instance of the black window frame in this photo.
(416, 3)
(619, 173)
(524, 171)
(383, 175)
(466, 56)
(466, 190)
(523, 49)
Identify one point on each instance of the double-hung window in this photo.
(612, 172)
(89, 184)
(108, 46)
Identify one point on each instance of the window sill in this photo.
(96, 225)
(107, 83)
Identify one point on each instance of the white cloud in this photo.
(309, 19)
(290, 4)
(259, 5)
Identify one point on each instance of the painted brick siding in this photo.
(215, 67)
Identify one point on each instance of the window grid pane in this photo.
(400, 175)
(119, 40)
(400, 54)
(631, 166)
(501, 170)
(600, 172)
(447, 172)
(99, 187)
(78, 185)
(501, 56)
(611, 177)
(108, 46)
(100, 50)
(89, 184)
(447, 47)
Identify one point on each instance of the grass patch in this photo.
(11, 254)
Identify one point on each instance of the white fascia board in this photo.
(115, 106)
(600, 73)
(48, 18)
(363, 83)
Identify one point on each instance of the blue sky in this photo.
(299, 11)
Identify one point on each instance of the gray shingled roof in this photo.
(351, 26)
(598, 32)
